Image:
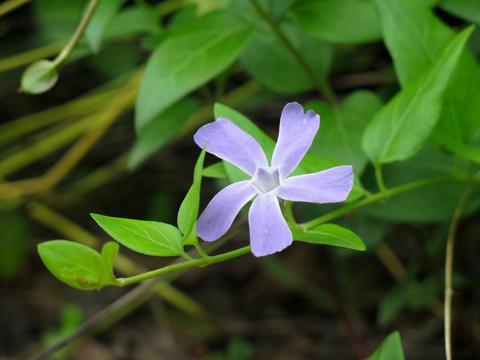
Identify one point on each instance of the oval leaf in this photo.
(39, 77)
(75, 264)
(330, 234)
(146, 237)
(187, 59)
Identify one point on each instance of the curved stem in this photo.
(67, 50)
(448, 270)
(323, 89)
(183, 265)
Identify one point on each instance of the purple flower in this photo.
(269, 231)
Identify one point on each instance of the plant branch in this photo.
(184, 265)
(11, 5)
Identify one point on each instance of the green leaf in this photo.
(105, 11)
(330, 234)
(339, 21)
(161, 130)
(188, 212)
(187, 59)
(401, 127)
(416, 39)
(129, 22)
(146, 237)
(265, 57)
(109, 254)
(341, 128)
(39, 77)
(391, 349)
(75, 264)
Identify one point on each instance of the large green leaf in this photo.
(416, 38)
(391, 349)
(145, 237)
(187, 59)
(341, 128)
(339, 21)
(105, 11)
(269, 62)
(75, 264)
(188, 212)
(330, 234)
(400, 128)
(160, 130)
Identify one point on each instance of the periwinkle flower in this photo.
(269, 184)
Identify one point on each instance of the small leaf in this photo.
(187, 59)
(105, 11)
(401, 127)
(330, 234)
(188, 212)
(109, 254)
(39, 77)
(75, 264)
(146, 237)
(391, 349)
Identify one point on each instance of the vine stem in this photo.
(67, 50)
(323, 89)
(448, 270)
(183, 265)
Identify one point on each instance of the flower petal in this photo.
(296, 134)
(328, 186)
(269, 232)
(220, 212)
(230, 143)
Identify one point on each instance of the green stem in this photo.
(377, 197)
(323, 89)
(67, 50)
(448, 270)
(183, 265)
(380, 183)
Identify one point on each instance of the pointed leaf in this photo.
(401, 127)
(146, 237)
(188, 212)
(330, 234)
(187, 59)
(75, 264)
(415, 39)
(391, 349)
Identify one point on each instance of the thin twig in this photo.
(448, 270)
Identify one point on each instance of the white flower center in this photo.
(266, 179)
